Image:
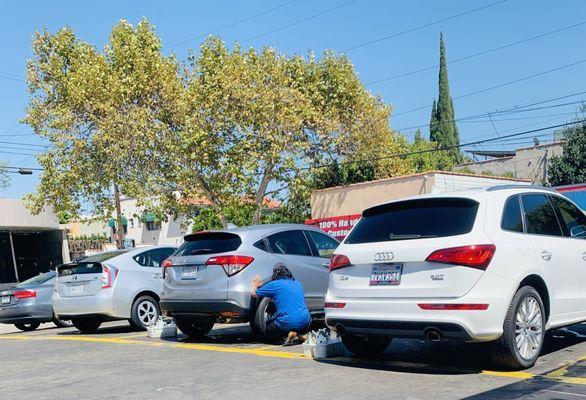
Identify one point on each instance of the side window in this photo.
(512, 219)
(142, 258)
(572, 219)
(324, 244)
(289, 242)
(540, 216)
(261, 244)
(157, 256)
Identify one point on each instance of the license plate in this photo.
(77, 289)
(386, 274)
(5, 299)
(189, 273)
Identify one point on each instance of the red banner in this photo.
(338, 227)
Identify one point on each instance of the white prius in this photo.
(501, 264)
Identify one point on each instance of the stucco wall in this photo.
(14, 215)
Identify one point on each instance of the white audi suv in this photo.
(501, 265)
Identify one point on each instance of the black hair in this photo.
(281, 272)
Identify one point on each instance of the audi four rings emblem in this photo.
(384, 256)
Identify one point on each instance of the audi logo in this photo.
(384, 256)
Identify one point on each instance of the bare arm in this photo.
(256, 283)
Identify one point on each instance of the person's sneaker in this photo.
(293, 338)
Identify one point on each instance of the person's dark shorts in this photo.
(272, 330)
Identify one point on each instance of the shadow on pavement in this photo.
(534, 389)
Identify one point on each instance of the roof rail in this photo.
(504, 187)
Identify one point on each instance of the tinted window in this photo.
(261, 244)
(142, 258)
(289, 242)
(572, 218)
(539, 214)
(80, 268)
(209, 243)
(415, 219)
(156, 256)
(324, 244)
(38, 280)
(512, 219)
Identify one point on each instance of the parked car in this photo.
(121, 284)
(208, 279)
(28, 304)
(500, 265)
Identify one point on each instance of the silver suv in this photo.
(208, 279)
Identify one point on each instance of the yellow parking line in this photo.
(559, 374)
(240, 350)
(143, 334)
(510, 374)
(16, 337)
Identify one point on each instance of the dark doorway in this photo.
(7, 274)
(37, 252)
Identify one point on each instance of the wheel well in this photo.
(147, 293)
(538, 284)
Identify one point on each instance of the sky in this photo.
(383, 39)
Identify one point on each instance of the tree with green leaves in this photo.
(442, 126)
(102, 113)
(570, 167)
(426, 157)
(4, 177)
(255, 118)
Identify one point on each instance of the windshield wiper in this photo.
(406, 236)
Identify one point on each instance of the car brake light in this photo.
(453, 306)
(109, 273)
(25, 294)
(231, 264)
(167, 263)
(476, 256)
(339, 261)
(335, 305)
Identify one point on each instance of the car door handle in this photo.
(546, 255)
(158, 275)
(584, 256)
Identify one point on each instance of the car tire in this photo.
(144, 312)
(86, 325)
(520, 329)
(28, 326)
(194, 327)
(61, 323)
(258, 321)
(366, 346)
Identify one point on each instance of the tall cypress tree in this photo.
(442, 127)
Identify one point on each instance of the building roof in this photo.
(492, 153)
(421, 174)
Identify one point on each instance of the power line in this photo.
(19, 148)
(31, 168)
(512, 109)
(499, 86)
(24, 144)
(394, 35)
(18, 154)
(232, 24)
(476, 54)
(299, 21)
(444, 148)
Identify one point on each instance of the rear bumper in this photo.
(99, 304)
(204, 308)
(17, 313)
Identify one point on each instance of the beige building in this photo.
(527, 163)
(336, 209)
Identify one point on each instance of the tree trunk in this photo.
(260, 195)
(119, 225)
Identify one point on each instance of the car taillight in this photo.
(167, 263)
(335, 305)
(453, 306)
(339, 261)
(231, 264)
(476, 256)
(109, 273)
(24, 294)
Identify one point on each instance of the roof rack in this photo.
(504, 187)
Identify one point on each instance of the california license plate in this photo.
(188, 273)
(386, 274)
(5, 299)
(77, 289)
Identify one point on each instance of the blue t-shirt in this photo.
(292, 313)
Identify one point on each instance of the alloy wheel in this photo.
(529, 328)
(147, 313)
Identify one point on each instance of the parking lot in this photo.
(118, 362)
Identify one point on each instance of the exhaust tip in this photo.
(433, 335)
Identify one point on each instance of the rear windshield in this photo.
(80, 268)
(208, 243)
(38, 280)
(415, 219)
(103, 256)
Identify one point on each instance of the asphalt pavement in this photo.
(120, 363)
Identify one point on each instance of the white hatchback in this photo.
(502, 264)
